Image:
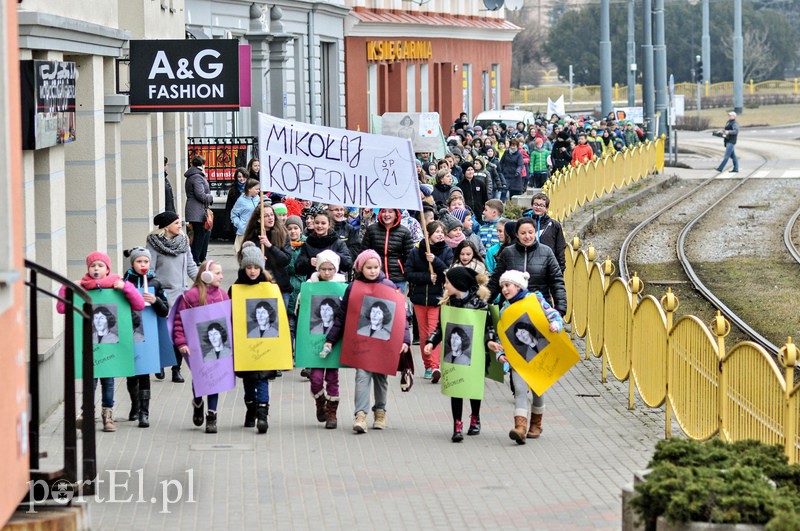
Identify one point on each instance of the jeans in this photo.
(213, 400)
(730, 153)
(200, 241)
(255, 390)
(107, 391)
(381, 385)
(328, 377)
(521, 397)
(402, 286)
(427, 321)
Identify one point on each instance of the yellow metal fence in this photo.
(539, 95)
(710, 392)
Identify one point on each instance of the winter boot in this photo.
(133, 390)
(380, 420)
(108, 419)
(360, 422)
(144, 408)
(177, 377)
(330, 414)
(518, 433)
(211, 422)
(250, 416)
(474, 425)
(320, 400)
(262, 411)
(457, 435)
(197, 413)
(535, 429)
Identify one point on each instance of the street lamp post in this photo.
(698, 77)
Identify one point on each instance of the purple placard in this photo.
(209, 335)
(245, 82)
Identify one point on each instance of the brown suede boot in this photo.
(518, 433)
(320, 400)
(535, 429)
(108, 419)
(330, 414)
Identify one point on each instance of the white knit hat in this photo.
(518, 278)
(328, 256)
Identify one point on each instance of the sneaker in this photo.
(734, 171)
(360, 422)
(428, 374)
(457, 435)
(380, 420)
(436, 375)
(718, 169)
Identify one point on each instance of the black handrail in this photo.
(69, 472)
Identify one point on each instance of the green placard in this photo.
(316, 301)
(112, 335)
(463, 352)
(495, 371)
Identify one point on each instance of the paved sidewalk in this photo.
(302, 476)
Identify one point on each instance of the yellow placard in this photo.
(261, 337)
(556, 353)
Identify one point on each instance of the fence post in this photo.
(591, 255)
(720, 327)
(670, 304)
(636, 286)
(788, 355)
(752, 87)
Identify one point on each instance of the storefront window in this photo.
(423, 88)
(411, 87)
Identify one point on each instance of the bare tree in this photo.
(759, 59)
(527, 50)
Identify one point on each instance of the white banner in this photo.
(556, 107)
(336, 166)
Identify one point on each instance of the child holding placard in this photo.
(464, 288)
(205, 290)
(141, 276)
(99, 276)
(368, 270)
(323, 380)
(256, 383)
(514, 287)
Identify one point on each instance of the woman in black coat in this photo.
(323, 237)
(425, 289)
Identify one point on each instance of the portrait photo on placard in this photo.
(138, 327)
(525, 338)
(215, 339)
(104, 324)
(375, 319)
(458, 344)
(323, 311)
(262, 318)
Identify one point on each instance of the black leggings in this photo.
(457, 407)
(141, 382)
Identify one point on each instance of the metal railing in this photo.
(572, 187)
(77, 301)
(223, 155)
(584, 93)
(734, 394)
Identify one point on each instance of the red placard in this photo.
(371, 343)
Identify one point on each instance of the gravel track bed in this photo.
(748, 223)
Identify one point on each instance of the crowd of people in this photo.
(461, 250)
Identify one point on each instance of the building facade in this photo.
(444, 56)
(297, 60)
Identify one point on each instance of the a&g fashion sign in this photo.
(184, 75)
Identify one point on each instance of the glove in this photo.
(324, 352)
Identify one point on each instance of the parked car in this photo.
(510, 118)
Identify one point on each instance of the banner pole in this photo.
(426, 239)
(263, 229)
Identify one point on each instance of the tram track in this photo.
(714, 191)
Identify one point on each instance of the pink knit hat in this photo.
(94, 256)
(362, 258)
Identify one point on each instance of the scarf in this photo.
(296, 244)
(453, 242)
(169, 247)
(107, 282)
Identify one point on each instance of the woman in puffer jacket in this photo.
(393, 243)
(538, 260)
